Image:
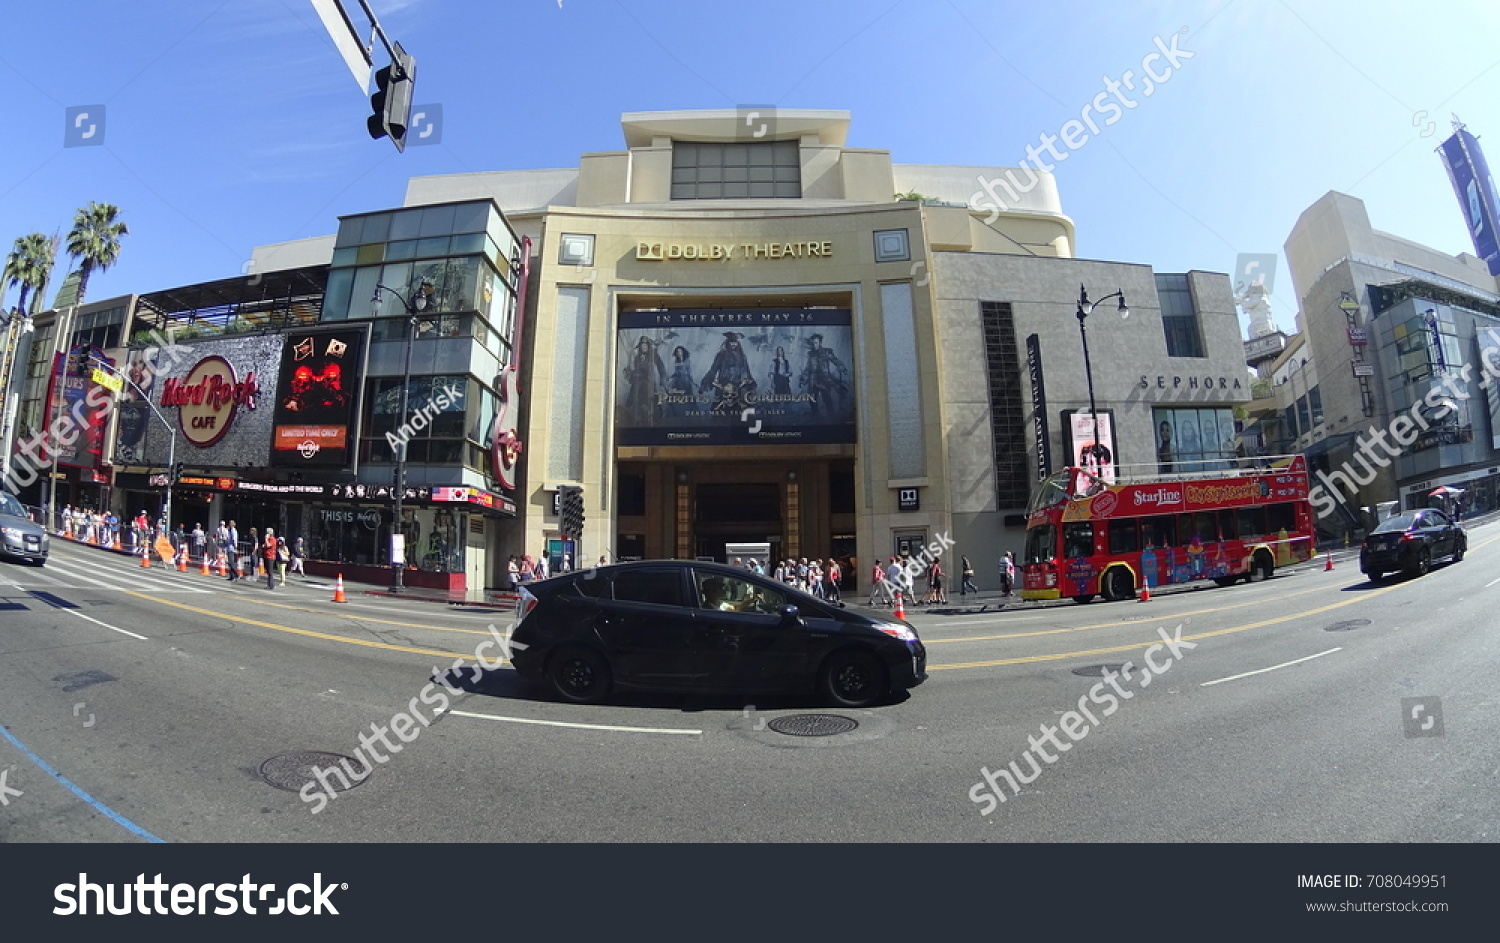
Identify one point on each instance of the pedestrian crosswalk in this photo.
(78, 574)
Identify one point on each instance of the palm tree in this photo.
(95, 241)
(29, 265)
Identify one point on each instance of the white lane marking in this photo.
(1491, 583)
(561, 723)
(1259, 671)
(134, 582)
(105, 624)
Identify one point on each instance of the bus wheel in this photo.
(1084, 599)
(1226, 580)
(1262, 568)
(1117, 584)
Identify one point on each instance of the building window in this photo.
(736, 171)
(1179, 319)
(1007, 409)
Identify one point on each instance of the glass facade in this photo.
(1179, 317)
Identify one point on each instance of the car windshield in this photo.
(1397, 524)
(11, 507)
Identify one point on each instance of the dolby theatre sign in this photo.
(208, 398)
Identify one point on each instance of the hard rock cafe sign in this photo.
(208, 398)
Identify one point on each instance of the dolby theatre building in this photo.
(736, 333)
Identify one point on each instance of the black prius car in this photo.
(1410, 542)
(678, 625)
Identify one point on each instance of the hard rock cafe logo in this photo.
(208, 398)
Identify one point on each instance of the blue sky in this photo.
(234, 124)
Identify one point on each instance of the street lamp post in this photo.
(1086, 308)
(414, 305)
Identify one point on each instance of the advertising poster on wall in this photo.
(1489, 339)
(91, 412)
(1079, 432)
(1475, 189)
(1191, 440)
(759, 376)
(317, 398)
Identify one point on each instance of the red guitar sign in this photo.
(505, 443)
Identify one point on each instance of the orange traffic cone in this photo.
(182, 560)
(117, 540)
(1145, 592)
(1329, 565)
(203, 568)
(338, 590)
(900, 610)
(146, 559)
(239, 570)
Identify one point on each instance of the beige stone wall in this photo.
(849, 276)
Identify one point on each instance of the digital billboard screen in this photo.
(317, 398)
(759, 376)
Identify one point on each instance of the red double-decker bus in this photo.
(1086, 537)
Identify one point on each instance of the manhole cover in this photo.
(813, 725)
(292, 771)
(1346, 625)
(1098, 671)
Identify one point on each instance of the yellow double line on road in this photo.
(1108, 625)
(308, 632)
(1144, 645)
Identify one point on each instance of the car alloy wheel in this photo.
(1463, 548)
(1424, 562)
(580, 675)
(853, 678)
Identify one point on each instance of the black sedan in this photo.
(677, 625)
(1410, 542)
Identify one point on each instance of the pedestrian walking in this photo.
(831, 584)
(283, 557)
(967, 586)
(268, 551)
(1007, 572)
(234, 551)
(935, 588)
(298, 552)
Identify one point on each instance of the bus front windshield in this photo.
(1052, 490)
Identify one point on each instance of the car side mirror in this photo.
(789, 614)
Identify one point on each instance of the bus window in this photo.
(1078, 539)
(1228, 529)
(1199, 525)
(1041, 544)
(1122, 537)
(1158, 531)
(1252, 523)
(1281, 517)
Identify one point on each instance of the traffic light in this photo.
(570, 520)
(391, 102)
(177, 472)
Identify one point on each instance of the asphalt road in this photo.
(146, 704)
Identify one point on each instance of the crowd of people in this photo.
(276, 555)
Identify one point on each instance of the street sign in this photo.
(1359, 336)
(109, 382)
(1363, 369)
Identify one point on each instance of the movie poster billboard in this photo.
(735, 377)
(1079, 432)
(317, 398)
(133, 408)
(72, 391)
(1475, 188)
